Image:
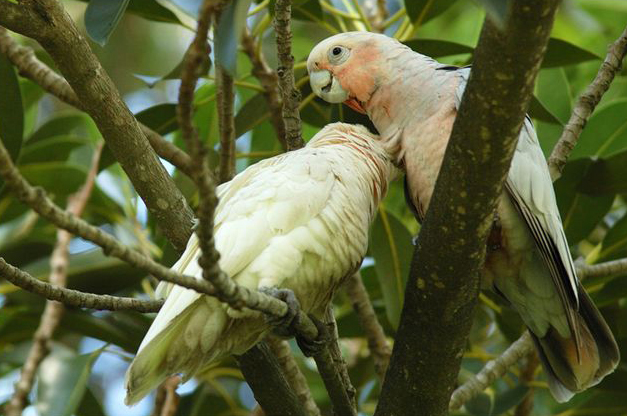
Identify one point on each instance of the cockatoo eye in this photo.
(338, 54)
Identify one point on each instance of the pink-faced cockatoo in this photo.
(412, 101)
(297, 221)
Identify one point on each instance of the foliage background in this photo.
(83, 374)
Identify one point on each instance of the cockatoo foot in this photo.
(414, 240)
(311, 348)
(283, 326)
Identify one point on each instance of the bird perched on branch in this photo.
(297, 221)
(412, 101)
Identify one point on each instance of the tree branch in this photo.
(273, 392)
(48, 23)
(295, 378)
(36, 199)
(491, 371)
(377, 343)
(586, 104)
(527, 375)
(602, 269)
(226, 99)
(269, 82)
(53, 312)
(74, 298)
(289, 92)
(41, 74)
(166, 400)
(439, 304)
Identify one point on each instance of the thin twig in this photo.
(586, 104)
(491, 371)
(602, 269)
(289, 92)
(270, 83)
(377, 342)
(41, 74)
(53, 312)
(281, 349)
(225, 99)
(166, 400)
(74, 298)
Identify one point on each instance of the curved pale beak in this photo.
(327, 87)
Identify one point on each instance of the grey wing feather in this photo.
(531, 190)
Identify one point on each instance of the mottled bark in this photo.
(272, 391)
(47, 22)
(443, 285)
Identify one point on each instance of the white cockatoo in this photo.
(297, 221)
(412, 101)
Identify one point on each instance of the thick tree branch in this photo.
(441, 294)
(272, 390)
(289, 92)
(48, 23)
(269, 82)
(32, 68)
(74, 298)
(281, 349)
(586, 104)
(226, 99)
(491, 371)
(377, 343)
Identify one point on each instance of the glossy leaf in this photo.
(191, 7)
(53, 149)
(55, 177)
(161, 118)
(227, 35)
(11, 111)
(580, 212)
(606, 176)
(562, 53)
(102, 17)
(62, 382)
(538, 111)
(496, 9)
(421, 11)
(69, 124)
(614, 245)
(152, 10)
(251, 114)
(392, 254)
(605, 133)
(437, 48)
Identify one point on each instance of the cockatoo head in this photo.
(347, 68)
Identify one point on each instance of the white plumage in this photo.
(298, 220)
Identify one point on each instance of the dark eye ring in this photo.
(336, 51)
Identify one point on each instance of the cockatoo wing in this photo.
(267, 200)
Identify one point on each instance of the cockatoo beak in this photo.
(327, 87)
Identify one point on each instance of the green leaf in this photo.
(152, 10)
(421, 11)
(191, 7)
(251, 114)
(161, 118)
(562, 53)
(605, 133)
(62, 381)
(606, 176)
(392, 251)
(89, 406)
(58, 126)
(496, 9)
(509, 398)
(92, 271)
(437, 48)
(308, 10)
(538, 111)
(55, 177)
(228, 33)
(11, 110)
(614, 244)
(53, 149)
(481, 405)
(580, 212)
(101, 18)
